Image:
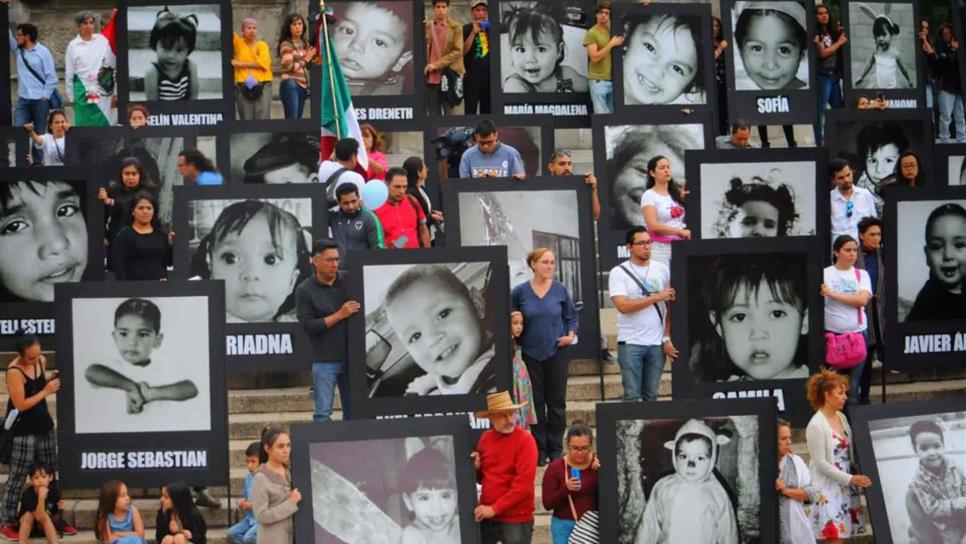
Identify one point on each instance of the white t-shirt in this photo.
(643, 327)
(327, 168)
(839, 316)
(53, 149)
(669, 213)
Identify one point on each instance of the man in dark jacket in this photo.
(871, 260)
(352, 225)
(944, 61)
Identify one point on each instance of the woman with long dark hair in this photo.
(142, 250)
(117, 196)
(829, 40)
(416, 173)
(295, 56)
(908, 173)
(663, 207)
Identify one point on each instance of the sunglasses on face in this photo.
(849, 208)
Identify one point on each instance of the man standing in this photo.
(506, 466)
(562, 164)
(36, 81)
(740, 137)
(599, 43)
(850, 203)
(341, 170)
(476, 60)
(322, 305)
(640, 290)
(871, 260)
(490, 158)
(352, 226)
(195, 168)
(402, 218)
(444, 49)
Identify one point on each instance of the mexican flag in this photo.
(338, 115)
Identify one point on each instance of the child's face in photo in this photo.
(516, 325)
(770, 53)
(251, 463)
(172, 60)
(441, 331)
(755, 219)
(882, 41)
(433, 508)
(43, 239)
(661, 61)
(135, 338)
(532, 60)
(946, 251)
(40, 478)
(369, 40)
(881, 163)
(258, 276)
(761, 333)
(930, 449)
(693, 459)
(631, 182)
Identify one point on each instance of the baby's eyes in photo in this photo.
(15, 222)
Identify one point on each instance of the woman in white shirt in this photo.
(663, 207)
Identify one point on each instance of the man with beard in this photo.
(402, 218)
(562, 164)
(850, 203)
(352, 225)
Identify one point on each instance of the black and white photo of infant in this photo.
(883, 45)
(403, 490)
(374, 44)
(175, 53)
(141, 364)
(750, 200)
(430, 329)
(932, 260)
(542, 46)
(770, 46)
(663, 61)
(258, 247)
(283, 157)
(693, 480)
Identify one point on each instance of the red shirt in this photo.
(508, 468)
(555, 491)
(402, 219)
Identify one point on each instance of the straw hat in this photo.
(499, 402)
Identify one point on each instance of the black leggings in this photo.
(549, 381)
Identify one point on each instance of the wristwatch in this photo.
(665, 340)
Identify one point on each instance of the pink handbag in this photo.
(845, 350)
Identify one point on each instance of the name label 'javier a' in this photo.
(934, 343)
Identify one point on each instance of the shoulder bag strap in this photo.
(640, 283)
(858, 281)
(31, 68)
(335, 175)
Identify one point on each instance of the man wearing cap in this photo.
(287, 158)
(506, 467)
(476, 60)
(562, 164)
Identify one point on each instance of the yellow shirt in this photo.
(246, 53)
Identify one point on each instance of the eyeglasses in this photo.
(642, 243)
(849, 208)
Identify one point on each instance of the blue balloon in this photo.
(375, 193)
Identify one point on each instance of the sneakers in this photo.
(68, 530)
(10, 532)
(207, 501)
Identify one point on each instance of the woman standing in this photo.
(837, 513)
(847, 291)
(567, 497)
(33, 431)
(118, 200)
(908, 173)
(89, 75)
(294, 55)
(142, 251)
(274, 500)
(373, 141)
(663, 207)
(252, 64)
(794, 486)
(829, 40)
(549, 326)
(416, 173)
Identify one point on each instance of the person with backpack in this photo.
(37, 84)
(402, 218)
(343, 169)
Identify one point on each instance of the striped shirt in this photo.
(292, 57)
(173, 89)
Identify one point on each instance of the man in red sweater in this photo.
(506, 466)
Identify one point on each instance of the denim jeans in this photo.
(32, 111)
(831, 95)
(492, 532)
(560, 529)
(602, 95)
(293, 98)
(641, 369)
(243, 532)
(326, 376)
(951, 109)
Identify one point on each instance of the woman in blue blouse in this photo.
(549, 326)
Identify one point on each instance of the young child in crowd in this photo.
(691, 504)
(537, 52)
(32, 262)
(661, 60)
(885, 58)
(771, 44)
(441, 323)
(173, 76)
(942, 295)
(374, 46)
(137, 332)
(756, 209)
(117, 521)
(759, 313)
(522, 388)
(41, 509)
(939, 485)
(429, 492)
(179, 517)
(246, 530)
(879, 146)
(53, 143)
(261, 252)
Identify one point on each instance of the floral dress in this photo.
(523, 391)
(837, 513)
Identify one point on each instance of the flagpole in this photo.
(328, 60)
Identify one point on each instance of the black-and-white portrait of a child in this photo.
(688, 480)
(141, 364)
(430, 329)
(770, 45)
(663, 61)
(748, 200)
(401, 490)
(175, 52)
(542, 46)
(931, 250)
(882, 41)
(259, 247)
(284, 157)
(629, 148)
(374, 43)
(920, 460)
(748, 317)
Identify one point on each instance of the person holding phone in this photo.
(570, 483)
(476, 58)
